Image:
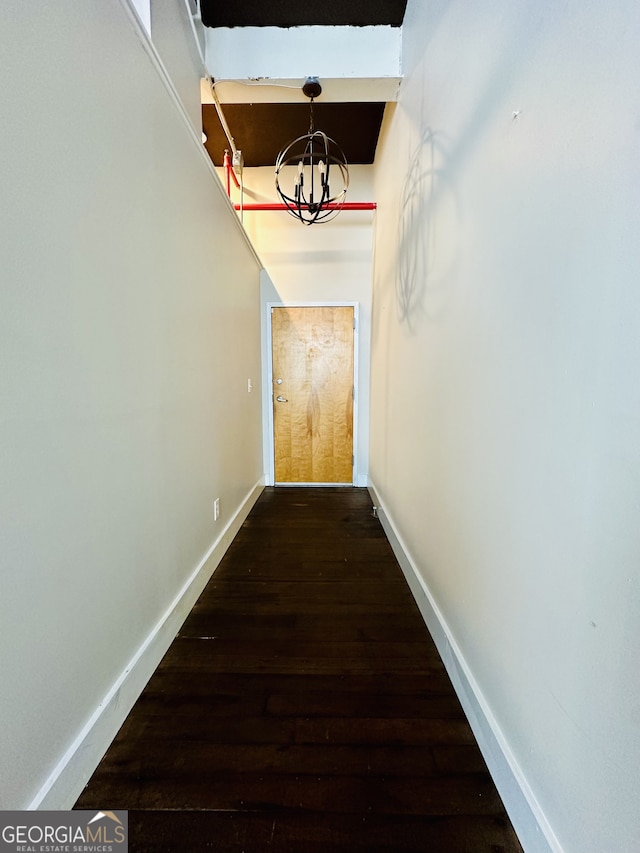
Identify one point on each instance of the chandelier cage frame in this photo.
(311, 160)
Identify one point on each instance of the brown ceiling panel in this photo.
(261, 131)
(293, 13)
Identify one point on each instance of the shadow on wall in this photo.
(426, 224)
(429, 215)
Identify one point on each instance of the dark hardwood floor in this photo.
(303, 706)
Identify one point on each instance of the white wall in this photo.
(294, 53)
(505, 394)
(129, 324)
(173, 36)
(325, 262)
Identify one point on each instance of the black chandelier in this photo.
(315, 159)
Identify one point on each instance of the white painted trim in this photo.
(288, 90)
(70, 775)
(529, 821)
(143, 10)
(355, 473)
(269, 438)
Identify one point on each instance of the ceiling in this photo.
(293, 13)
(262, 129)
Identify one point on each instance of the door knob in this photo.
(281, 399)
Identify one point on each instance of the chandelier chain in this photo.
(311, 125)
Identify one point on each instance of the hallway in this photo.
(303, 706)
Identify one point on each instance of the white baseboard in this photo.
(527, 817)
(74, 769)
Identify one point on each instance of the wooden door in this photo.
(312, 350)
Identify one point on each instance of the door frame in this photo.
(269, 437)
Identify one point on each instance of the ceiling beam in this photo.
(289, 13)
(281, 59)
(289, 91)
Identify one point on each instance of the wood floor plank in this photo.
(303, 706)
(371, 627)
(443, 795)
(303, 730)
(397, 686)
(215, 758)
(258, 832)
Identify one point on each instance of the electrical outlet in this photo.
(249, 386)
(216, 509)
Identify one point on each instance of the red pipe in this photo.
(349, 205)
(229, 171)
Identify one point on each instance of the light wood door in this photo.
(312, 350)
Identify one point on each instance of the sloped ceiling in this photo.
(262, 129)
